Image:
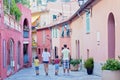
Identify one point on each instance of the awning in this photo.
(34, 18)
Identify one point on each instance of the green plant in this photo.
(89, 63)
(13, 9)
(111, 64)
(75, 62)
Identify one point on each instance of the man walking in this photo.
(65, 58)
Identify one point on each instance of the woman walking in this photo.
(46, 60)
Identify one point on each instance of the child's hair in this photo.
(36, 57)
(56, 56)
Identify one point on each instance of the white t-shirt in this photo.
(66, 53)
(45, 56)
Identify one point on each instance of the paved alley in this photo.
(29, 74)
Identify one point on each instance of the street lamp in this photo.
(80, 2)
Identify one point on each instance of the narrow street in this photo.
(29, 74)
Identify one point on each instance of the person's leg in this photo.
(67, 66)
(37, 70)
(56, 69)
(64, 65)
(46, 68)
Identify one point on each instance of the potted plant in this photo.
(89, 65)
(111, 70)
(75, 64)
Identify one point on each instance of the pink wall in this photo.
(27, 15)
(46, 44)
(7, 33)
(98, 24)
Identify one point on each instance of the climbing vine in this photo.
(11, 7)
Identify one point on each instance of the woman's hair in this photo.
(45, 49)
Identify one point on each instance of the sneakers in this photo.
(46, 74)
(37, 74)
(56, 73)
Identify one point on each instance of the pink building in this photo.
(94, 32)
(43, 41)
(14, 42)
(54, 37)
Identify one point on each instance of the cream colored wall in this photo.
(44, 18)
(77, 32)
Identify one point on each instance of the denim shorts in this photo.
(36, 68)
(46, 62)
(56, 66)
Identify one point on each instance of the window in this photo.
(4, 53)
(87, 22)
(67, 30)
(62, 34)
(38, 2)
(66, 0)
(54, 17)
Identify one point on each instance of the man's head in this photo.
(65, 46)
(45, 49)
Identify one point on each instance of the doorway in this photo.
(25, 53)
(111, 36)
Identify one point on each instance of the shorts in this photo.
(66, 64)
(46, 62)
(36, 68)
(56, 66)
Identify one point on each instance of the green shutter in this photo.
(87, 22)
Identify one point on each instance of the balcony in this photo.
(34, 44)
(25, 34)
(10, 22)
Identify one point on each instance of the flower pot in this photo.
(90, 71)
(74, 68)
(110, 75)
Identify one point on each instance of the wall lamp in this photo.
(82, 2)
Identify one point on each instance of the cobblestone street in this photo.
(29, 74)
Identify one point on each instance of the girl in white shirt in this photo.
(46, 60)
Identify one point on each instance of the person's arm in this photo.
(49, 58)
(42, 57)
(61, 55)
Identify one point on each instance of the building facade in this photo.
(44, 41)
(12, 41)
(94, 32)
(97, 32)
(54, 20)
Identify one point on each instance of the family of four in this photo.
(46, 60)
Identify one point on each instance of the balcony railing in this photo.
(25, 33)
(34, 44)
(10, 22)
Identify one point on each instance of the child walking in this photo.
(36, 63)
(56, 61)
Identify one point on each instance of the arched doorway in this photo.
(10, 56)
(25, 29)
(18, 54)
(111, 36)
